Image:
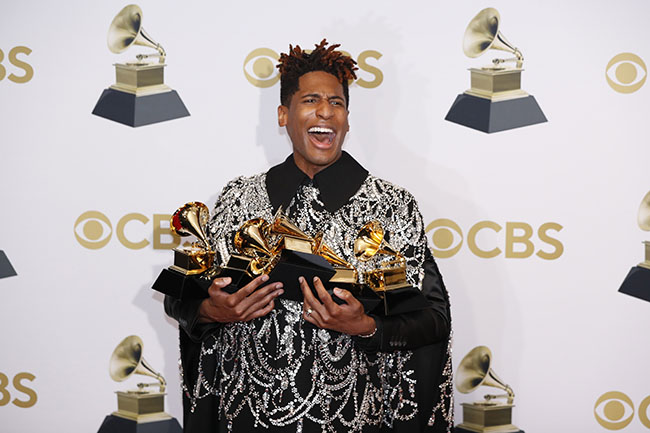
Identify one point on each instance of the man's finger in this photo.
(270, 292)
(325, 297)
(345, 295)
(260, 313)
(311, 317)
(250, 287)
(221, 282)
(308, 295)
(218, 284)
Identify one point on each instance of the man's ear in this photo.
(283, 113)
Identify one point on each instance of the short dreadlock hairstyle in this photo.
(297, 63)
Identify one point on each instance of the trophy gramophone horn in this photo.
(483, 34)
(321, 249)
(370, 241)
(474, 371)
(126, 30)
(127, 360)
(283, 226)
(250, 239)
(644, 213)
(191, 219)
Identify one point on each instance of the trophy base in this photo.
(459, 429)
(192, 261)
(6, 270)
(239, 277)
(496, 84)
(493, 116)
(368, 298)
(141, 406)
(131, 110)
(117, 424)
(295, 264)
(637, 283)
(487, 418)
(180, 286)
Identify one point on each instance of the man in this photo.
(255, 360)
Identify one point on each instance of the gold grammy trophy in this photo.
(388, 280)
(264, 243)
(291, 237)
(139, 95)
(345, 272)
(284, 252)
(495, 101)
(191, 220)
(251, 240)
(193, 269)
(637, 282)
(371, 242)
(475, 370)
(137, 406)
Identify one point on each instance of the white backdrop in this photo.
(561, 334)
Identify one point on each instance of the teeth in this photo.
(320, 130)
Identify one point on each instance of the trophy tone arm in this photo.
(510, 395)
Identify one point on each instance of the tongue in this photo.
(323, 137)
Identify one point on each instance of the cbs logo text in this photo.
(93, 230)
(17, 64)
(485, 239)
(260, 70)
(614, 410)
(19, 388)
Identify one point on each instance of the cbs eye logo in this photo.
(626, 73)
(519, 243)
(615, 411)
(260, 70)
(28, 73)
(93, 230)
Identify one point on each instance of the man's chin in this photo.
(318, 159)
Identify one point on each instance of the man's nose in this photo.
(324, 110)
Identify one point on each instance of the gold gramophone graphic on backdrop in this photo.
(495, 102)
(139, 95)
(488, 415)
(140, 405)
(637, 282)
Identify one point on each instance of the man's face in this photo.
(316, 121)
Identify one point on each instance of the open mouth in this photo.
(322, 135)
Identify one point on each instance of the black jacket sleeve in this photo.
(186, 312)
(419, 328)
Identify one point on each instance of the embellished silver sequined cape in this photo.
(282, 371)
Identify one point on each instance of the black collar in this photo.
(336, 183)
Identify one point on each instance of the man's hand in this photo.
(246, 304)
(348, 318)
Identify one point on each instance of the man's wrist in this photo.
(203, 317)
(370, 329)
